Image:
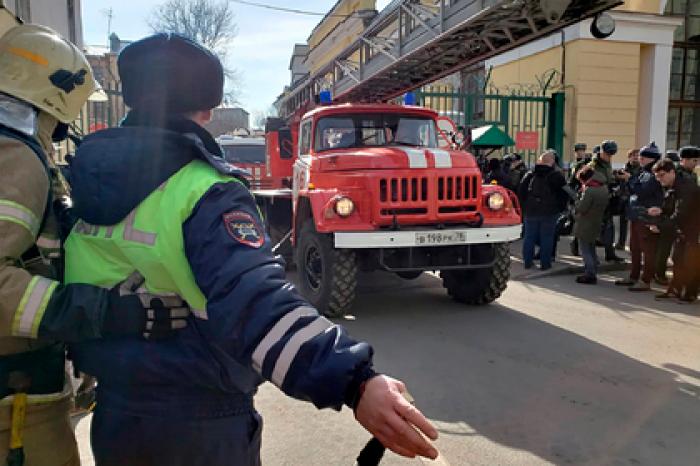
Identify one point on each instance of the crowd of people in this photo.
(654, 197)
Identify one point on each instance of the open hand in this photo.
(387, 415)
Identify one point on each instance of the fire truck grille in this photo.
(449, 188)
(426, 198)
(456, 188)
(403, 190)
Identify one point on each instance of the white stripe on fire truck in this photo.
(416, 157)
(443, 159)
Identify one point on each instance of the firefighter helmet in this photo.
(42, 68)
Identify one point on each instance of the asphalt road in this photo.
(554, 373)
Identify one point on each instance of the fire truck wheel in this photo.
(479, 286)
(327, 276)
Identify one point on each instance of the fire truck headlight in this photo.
(496, 201)
(344, 206)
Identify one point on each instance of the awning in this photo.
(490, 137)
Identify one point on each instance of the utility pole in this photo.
(109, 13)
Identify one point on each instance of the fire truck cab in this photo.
(368, 187)
(247, 153)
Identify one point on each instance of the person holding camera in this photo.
(632, 167)
(645, 193)
(680, 215)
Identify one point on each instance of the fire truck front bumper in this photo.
(426, 237)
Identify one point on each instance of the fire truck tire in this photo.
(479, 286)
(327, 276)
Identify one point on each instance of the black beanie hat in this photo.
(650, 151)
(170, 73)
(609, 147)
(689, 152)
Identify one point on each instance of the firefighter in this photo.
(44, 81)
(155, 195)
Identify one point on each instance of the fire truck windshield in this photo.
(244, 153)
(374, 130)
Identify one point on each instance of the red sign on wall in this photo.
(528, 140)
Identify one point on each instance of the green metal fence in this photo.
(513, 113)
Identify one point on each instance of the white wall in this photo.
(54, 14)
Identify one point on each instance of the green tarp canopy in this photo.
(490, 137)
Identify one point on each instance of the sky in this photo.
(260, 53)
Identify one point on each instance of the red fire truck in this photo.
(363, 187)
(372, 186)
(247, 153)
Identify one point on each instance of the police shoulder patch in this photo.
(244, 228)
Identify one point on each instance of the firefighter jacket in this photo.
(165, 203)
(35, 309)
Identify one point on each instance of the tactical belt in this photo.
(44, 370)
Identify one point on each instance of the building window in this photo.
(684, 95)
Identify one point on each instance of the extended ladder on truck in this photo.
(414, 42)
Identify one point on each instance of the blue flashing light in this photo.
(409, 98)
(325, 97)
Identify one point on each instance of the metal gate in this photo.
(513, 113)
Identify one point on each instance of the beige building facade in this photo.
(617, 88)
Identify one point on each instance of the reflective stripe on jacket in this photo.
(249, 324)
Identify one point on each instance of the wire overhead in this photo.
(288, 10)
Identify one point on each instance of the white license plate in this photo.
(437, 238)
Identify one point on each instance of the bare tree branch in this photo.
(209, 22)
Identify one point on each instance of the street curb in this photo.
(567, 270)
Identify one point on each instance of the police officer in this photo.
(690, 155)
(156, 196)
(645, 193)
(44, 82)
